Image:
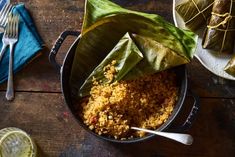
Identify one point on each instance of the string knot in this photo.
(227, 18)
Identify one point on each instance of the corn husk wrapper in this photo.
(104, 31)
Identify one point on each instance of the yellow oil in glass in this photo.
(16, 143)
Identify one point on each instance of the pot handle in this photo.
(192, 115)
(57, 45)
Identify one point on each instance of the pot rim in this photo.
(182, 95)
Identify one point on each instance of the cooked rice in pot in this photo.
(146, 102)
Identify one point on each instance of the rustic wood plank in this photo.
(38, 76)
(41, 76)
(56, 132)
(206, 84)
(39, 107)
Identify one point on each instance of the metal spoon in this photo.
(182, 138)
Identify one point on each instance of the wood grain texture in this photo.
(53, 17)
(57, 133)
(40, 110)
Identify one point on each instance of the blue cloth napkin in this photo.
(28, 46)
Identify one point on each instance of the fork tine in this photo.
(4, 8)
(14, 26)
(17, 25)
(5, 14)
(2, 11)
(8, 27)
(11, 27)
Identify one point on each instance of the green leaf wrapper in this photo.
(195, 12)
(162, 45)
(127, 56)
(220, 32)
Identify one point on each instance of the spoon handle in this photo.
(182, 138)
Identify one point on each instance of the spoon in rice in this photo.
(182, 138)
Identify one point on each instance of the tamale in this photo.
(195, 12)
(220, 32)
(230, 67)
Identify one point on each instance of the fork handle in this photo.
(10, 86)
(4, 46)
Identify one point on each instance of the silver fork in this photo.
(3, 16)
(10, 37)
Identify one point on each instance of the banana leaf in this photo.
(99, 12)
(156, 58)
(105, 23)
(195, 12)
(125, 53)
(220, 32)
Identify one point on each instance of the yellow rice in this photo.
(146, 102)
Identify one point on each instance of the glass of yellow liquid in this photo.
(15, 142)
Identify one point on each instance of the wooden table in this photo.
(40, 110)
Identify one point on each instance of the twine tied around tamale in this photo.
(226, 20)
(199, 11)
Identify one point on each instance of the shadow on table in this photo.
(40, 152)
